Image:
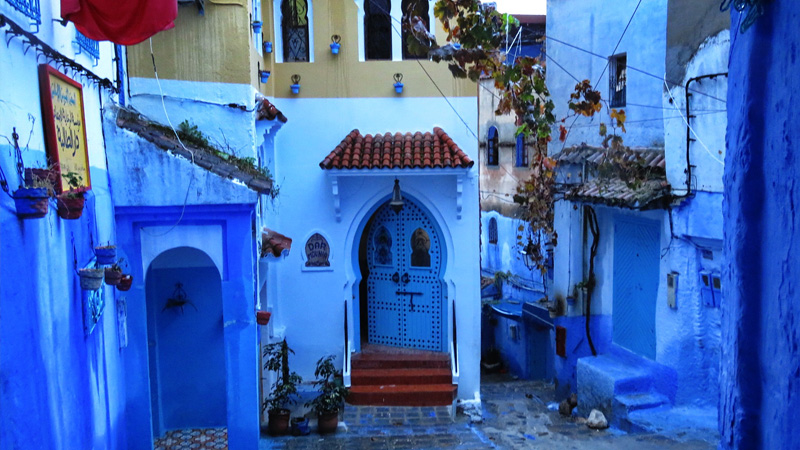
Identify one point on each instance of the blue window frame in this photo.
(90, 46)
(522, 152)
(492, 144)
(28, 7)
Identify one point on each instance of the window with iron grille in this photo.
(378, 29)
(492, 144)
(294, 27)
(522, 152)
(28, 7)
(90, 46)
(493, 231)
(617, 79)
(418, 8)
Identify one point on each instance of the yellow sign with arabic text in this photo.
(65, 126)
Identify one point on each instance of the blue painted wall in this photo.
(189, 345)
(577, 346)
(761, 312)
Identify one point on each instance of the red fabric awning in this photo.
(122, 22)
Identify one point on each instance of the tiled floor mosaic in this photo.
(194, 439)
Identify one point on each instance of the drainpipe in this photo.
(689, 138)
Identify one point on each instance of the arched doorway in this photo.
(185, 341)
(401, 263)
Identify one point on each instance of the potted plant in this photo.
(113, 274)
(125, 282)
(331, 397)
(32, 200)
(283, 390)
(300, 426)
(70, 203)
(91, 278)
(106, 254)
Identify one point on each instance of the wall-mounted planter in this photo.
(106, 254)
(263, 75)
(335, 39)
(31, 203)
(49, 176)
(398, 83)
(262, 317)
(295, 84)
(91, 279)
(125, 282)
(267, 47)
(257, 26)
(70, 207)
(112, 276)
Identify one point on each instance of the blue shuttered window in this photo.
(522, 152)
(492, 144)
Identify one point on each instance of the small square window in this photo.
(617, 79)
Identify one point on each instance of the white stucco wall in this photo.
(596, 26)
(308, 305)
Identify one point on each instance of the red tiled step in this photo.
(401, 361)
(400, 376)
(403, 395)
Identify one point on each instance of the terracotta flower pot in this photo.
(31, 203)
(278, 422)
(125, 282)
(327, 422)
(112, 276)
(262, 317)
(70, 208)
(91, 279)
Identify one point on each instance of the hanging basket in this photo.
(70, 207)
(106, 255)
(31, 203)
(91, 279)
(113, 277)
(125, 282)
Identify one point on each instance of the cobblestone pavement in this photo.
(515, 416)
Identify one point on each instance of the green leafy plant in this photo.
(331, 387)
(189, 133)
(74, 182)
(284, 390)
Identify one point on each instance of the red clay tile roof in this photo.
(388, 151)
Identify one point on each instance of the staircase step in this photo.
(635, 402)
(401, 361)
(362, 377)
(403, 395)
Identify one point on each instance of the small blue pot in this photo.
(264, 75)
(267, 47)
(257, 26)
(300, 426)
(31, 203)
(398, 87)
(105, 255)
(335, 48)
(295, 88)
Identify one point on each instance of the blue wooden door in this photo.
(404, 304)
(636, 274)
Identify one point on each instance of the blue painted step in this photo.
(626, 404)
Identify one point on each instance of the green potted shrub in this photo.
(332, 394)
(71, 202)
(284, 389)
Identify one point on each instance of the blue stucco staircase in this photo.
(390, 377)
(621, 382)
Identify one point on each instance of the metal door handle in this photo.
(405, 278)
(396, 277)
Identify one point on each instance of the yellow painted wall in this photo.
(343, 75)
(216, 47)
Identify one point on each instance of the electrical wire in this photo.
(689, 126)
(166, 114)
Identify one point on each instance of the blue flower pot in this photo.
(335, 48)
(398, 87)
(295, 89)
(300, 427)
(456, 46)
(264, 75)
(31, 203)
(257, 27)
(267, 47)
(105, 255)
